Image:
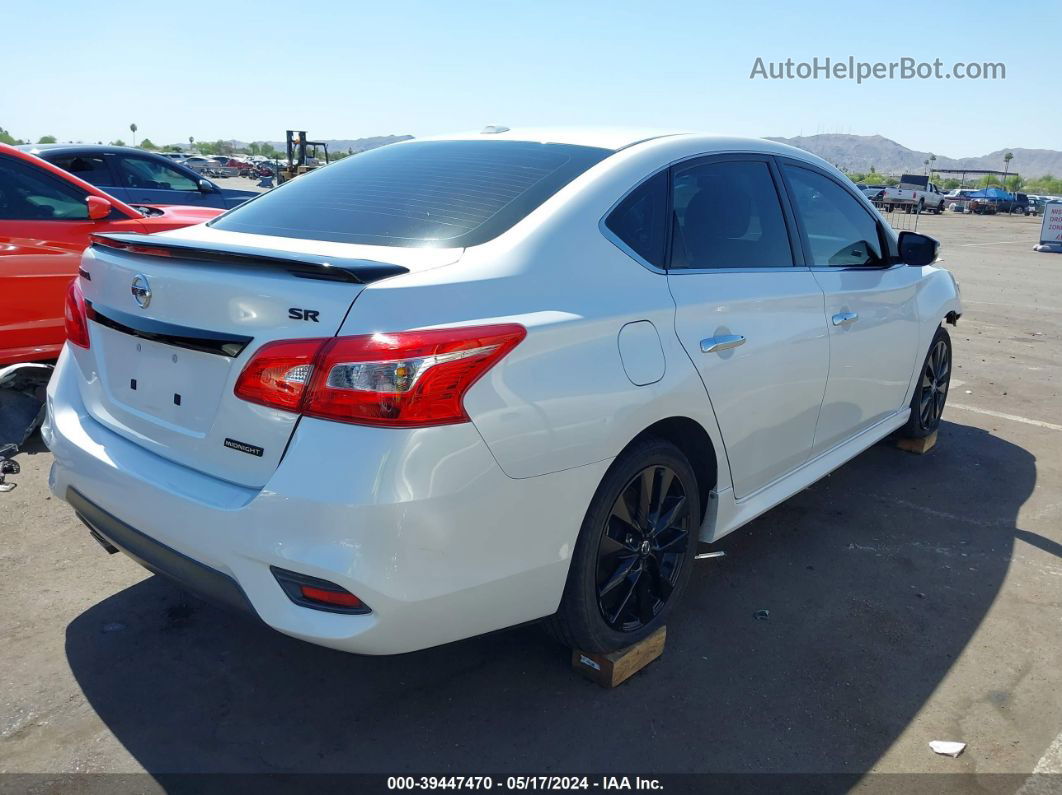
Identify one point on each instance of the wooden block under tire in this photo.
(920, 446)
(609, 670)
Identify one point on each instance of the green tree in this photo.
(146, 143)
(132, 129)
(47, 139)
(118, 142)
(1047, 184)
(8, 138)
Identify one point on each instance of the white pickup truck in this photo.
(915, 192)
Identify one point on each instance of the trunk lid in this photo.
(162, 364)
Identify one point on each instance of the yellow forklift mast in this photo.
(302, 156)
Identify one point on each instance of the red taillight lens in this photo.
(400, 379)
(75, 316)
(279, 373)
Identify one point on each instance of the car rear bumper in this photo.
(422, 525)
(159, 558)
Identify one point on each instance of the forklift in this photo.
(298, 161)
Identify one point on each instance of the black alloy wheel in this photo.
(642, 548)
(931, 391)
(634, 554)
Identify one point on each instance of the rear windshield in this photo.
(425, 193)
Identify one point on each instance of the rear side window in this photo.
(728, 215)
(440, 193)
(91, 168)
(638, 221)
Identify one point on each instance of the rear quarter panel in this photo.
(561, 399)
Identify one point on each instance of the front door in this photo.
(871, 310)
(749, 318)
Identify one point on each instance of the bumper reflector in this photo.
(318, 594)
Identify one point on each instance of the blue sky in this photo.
(84, 71)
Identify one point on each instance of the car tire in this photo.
(626, 577)
(931, 389)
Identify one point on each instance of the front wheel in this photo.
(931, 391)
(635, 550)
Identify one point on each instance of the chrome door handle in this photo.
(721, 343)
(843, 318)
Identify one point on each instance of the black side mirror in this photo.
(206, 186)
(918, 250)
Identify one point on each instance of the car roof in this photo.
(131, 150)
(614, 138)
(619, 138)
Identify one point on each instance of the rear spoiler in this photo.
(306, 266)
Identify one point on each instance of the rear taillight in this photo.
(399, 379)
(279, 373)
(75, 316)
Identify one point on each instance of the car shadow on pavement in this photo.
(874, 580)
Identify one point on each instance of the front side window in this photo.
(727, 215)
(840, 231)
(423, 193)
(91, 168)
(140, 172)
(639, 220)
(30, 194)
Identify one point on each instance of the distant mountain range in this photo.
(850, 152)
(860, 152)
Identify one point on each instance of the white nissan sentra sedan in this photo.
(449, 386)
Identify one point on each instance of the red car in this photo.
(46, 217)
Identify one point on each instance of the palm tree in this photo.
(1006, 166)
(132, 129)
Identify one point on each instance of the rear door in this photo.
(871, 309)
(748, 314)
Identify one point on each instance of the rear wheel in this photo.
(931, 391)
(635, 550)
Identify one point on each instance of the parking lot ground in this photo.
(911, 598)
